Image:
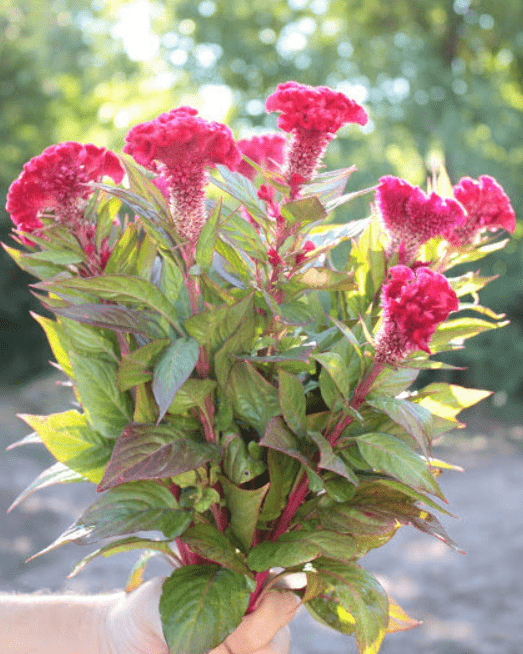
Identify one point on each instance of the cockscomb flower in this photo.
(414, 303)
(411, 218)
(266, 150)
(56, 185)
(313, 115)
(179, 146)
(487, 208)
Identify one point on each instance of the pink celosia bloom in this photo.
(411, 218)
(313, 115)
(487, 207)
(266, 150)
(179, 146)
(414, 303)
(56, 185)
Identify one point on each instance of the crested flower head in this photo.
(313, 114)
(414, 303)
(487, 207)
(267, 150)
(179, 146)
(411, 218)
(56, 184)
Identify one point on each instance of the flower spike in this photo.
(487, 207)
(179, 146)
(313, 115)
(414, 303)
(56, 184)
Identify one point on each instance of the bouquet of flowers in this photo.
(244, 402)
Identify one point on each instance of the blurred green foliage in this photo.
(439, 79)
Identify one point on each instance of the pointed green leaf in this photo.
(118, 288)
(107, 409)
(239, 464)
(327, 610)
(244, 507)
(207, 240)
(69, 438)
(414, 419)
(303, 211)
(292, 402)
(334, 365)
(58, 342)
(135, 367)
(124, 255)
(283, 471)
(200, 606)
(58, 473)
(172, 370)
(209, 542)
(329, 460)
(298, 547)
(386, 453)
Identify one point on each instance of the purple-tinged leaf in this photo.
(154, 452)
(172, 370)
(134, 367)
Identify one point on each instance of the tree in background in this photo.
(440, 80)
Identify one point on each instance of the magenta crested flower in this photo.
(266, 150)
(56, 184)
(411, 218)
(487, 208)
(414, 303)
(179, 146)
(313, 115)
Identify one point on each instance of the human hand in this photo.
(133, 624)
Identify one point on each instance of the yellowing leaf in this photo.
(448, 400)
(398, 619)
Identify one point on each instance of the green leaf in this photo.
(200, 606)
(298, 547)
(240, 188)
(153, 452)
(172, 370)
(114, 317)
(123, 258)
(458, 330)
(292, 402)
(58, 473)
(140, 506)
(241, 234)
(207, 240)
(90, 341)
(303, 211)
(370, 262)
(414, 419)
(388, 454)
(107, 409)
(118, 288)
(39, 269)
(69, 438)
(123, 545)
(58, 342)
(326, 237)
(392, 382)
(469, 283)
(193, 393)
(244, 507)
(238, 265)
(278, 437)
(283, 471)
(253, 398)
(329, 186)
(334, 365)
(209, 542)
(134, 367)
(329, 460)
(359, 521)
(239, 464)
(326, 609)
(362, 596)
(294, 354)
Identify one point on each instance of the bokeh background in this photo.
(439, 78)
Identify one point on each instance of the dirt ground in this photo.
(471, 604)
